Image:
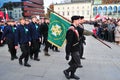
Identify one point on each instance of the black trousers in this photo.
(35, 48)
(47, 45)
(81, 50)
(11, 48)
(25, 52)
(74, 62)
(54, 48)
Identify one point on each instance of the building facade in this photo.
(110, 10)
(69, 9)
(32, 7)
(17, 13)
(80, 1)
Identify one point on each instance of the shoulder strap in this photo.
(74, 30)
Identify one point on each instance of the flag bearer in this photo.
(72, 48)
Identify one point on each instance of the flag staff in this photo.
(85, 32)
(58, 14)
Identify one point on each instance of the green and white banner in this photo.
(57, 30)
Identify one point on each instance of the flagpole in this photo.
(70, 22)
(58, 14)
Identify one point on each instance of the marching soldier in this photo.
(9, 36)
(72, 48)
(23, 37)
(35, 38)
(82, 37)
(44, 29)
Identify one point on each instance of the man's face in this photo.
(47, 21)
(34, 19)
(77, 22)
(22, 21)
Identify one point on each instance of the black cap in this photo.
(75, 18)
(81, 17)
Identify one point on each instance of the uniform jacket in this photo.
(72, 40)
(22, 35)
(8, 33)
(34, 31)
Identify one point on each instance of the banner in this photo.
(57, 30)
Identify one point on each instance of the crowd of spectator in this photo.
(107, 29)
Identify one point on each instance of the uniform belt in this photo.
(76, 44)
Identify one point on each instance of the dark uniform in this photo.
(9, 35)
(82, 38)
(35, 38)
(44, 29)
(23, 37)
(72, 48)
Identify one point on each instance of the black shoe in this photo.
(80, 66)
(47, 54)
(31, 57)
(20, 62)
(15, 57)
(36, 59)
(12, 58)
(27, 65)
(39, 50)
(74, 77)
(57, 51)
(82, 58)
(66, 74)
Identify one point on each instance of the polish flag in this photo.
(1, 14)
(6, 15)
(97, 16)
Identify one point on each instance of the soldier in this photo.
(23, 37)
(44, 29)
(9, 36)
(82, 37)
(72, 48)
(35, 38)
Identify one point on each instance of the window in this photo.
(105, 10)
(63, 13)
(95, 11)
(78, 12)
(83, 7)
(72, 12)
(72, 7)
(99, 10)
(68, 13)
(15, 15)
(88, 7)
(87, 12)
(109, 10)
(83, 12)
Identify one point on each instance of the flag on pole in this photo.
(6, 15)
(97, 16)
(1, 15)
(57, 29)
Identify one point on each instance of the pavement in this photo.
(101, 63)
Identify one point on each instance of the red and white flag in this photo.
(6, 15)
(1, 15)
(97, 16)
